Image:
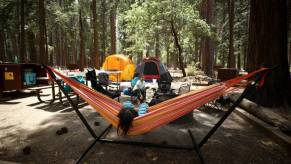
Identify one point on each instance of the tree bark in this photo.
(42, 52)
(46, 43)
(157, 46)
(113, 26)
(147, 51)
(206, 43)
(58, 47)
(61, 46)
(231, 57)
(15, 47)
(51, 54)
(176, 40)
(65, 51)
(196, 51)
(103, 36)
(239, 60)
(168, 54)
(95, 55)
(31, 47)
(82, 48)
(2, 47)
(268, 47)
(289, 31)
(22, 56)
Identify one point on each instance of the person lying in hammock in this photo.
(128, 113)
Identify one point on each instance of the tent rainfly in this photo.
(152, 68)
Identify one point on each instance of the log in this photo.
(268, 115)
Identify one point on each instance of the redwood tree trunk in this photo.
(113, 26)
(206, 43)
(289, 31)
(95, 54)
(58, 49)
(22, 34)
(268, 47)
(82, 48)
(51, 54)
(31, 47)
(42, 52)
(2, 47)
(231, 57)
(103, 36)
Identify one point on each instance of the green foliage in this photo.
(193, 68)
(145, 20)
(240, 29)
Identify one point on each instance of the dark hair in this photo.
(126, 117)
(136, 74)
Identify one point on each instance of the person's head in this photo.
(126, 117)
(141, 77)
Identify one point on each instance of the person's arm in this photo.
(142, 85)
(134, 81)
(136, 85)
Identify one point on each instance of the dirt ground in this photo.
(26, 122)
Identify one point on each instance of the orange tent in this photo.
(119, 62)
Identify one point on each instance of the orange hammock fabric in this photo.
(158, 115)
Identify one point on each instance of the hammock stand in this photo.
(196, 147)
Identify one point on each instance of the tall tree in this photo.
(206, 43)
(31, 47)
(178, 45)
(289, 32)
(82, 46)
(42, 38)
(103, 34)
(157, 46)
(2, 46)
(113, 25)
(268, 47)
(231, 57)
(22, 33)
(95, 54)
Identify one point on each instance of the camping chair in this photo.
(91, 76)
(103, 80)
(166, 93)
(158, 115)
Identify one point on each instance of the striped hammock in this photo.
(158, 115)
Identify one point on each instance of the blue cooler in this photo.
(30, 78)
(79, 79)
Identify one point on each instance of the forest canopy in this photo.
(71, 29)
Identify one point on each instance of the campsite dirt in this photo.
(25, 122)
